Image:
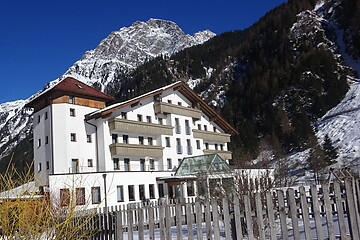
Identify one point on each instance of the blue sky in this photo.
(40, 40)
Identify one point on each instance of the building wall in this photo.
(113, 179)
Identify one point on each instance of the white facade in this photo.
(132, 143)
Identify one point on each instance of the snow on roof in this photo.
(25, 191)
(133, 99)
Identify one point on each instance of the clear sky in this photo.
(41, 39)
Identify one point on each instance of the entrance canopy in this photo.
(203, 164)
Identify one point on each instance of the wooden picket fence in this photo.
(317, 212)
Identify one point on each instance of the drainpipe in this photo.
(106, 206)
(96, 144)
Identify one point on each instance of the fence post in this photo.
(293, 213)
(340, 211)
(226, 219)
(119, 227)
(198, 213)
(329, 217)
(282, 214)
(248, 217)
(207, 219)
(316, 211)
(270, 212)
(351, 210)
(215, 214)
(259, 215)
(129, 212)
(237, 217)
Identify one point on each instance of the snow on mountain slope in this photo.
(116, 55)
(124, 50)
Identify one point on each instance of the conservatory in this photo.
(200, 176)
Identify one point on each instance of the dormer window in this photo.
(71, 99)
(79, 86)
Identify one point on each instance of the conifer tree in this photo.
(331, 152)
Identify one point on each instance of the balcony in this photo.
(130, 126)
(162, 107)
(211, 136)
(223, 154)
(123, 149)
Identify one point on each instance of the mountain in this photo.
(122, 51)
(275, 81)
(112, 60)
(289, 78)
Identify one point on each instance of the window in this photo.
(142, 192)
(39, 119)
(198, 144)
(126, 164)
(216, 146)
(152, 191)
(221, 147)
(141, 140)
(206, 146)
(123, 115)
(71, 99)
(214, 129)
(116, 164)
(74, 165)
(142, 164)
(178, 146)
(179, 103)
(161, 190)
(73, 137)
(72, 112)
(47, 140)
(205, 128)
(148, 119)
(114, 138)
(189, 147)
(125, 139)
(64, 197)
(167, 141)
(39, 142)
(199, 126)
(152, 164)
(88, 138)
(80, 196)
(120, 193)
(47, 165)
(95, 195)
(160, 121)
(46, 115)
(187, 127)
(169, 101)
(39, 167)
(190, 188)
(131, 193)
(169, 165)
(90, 163)
(150, 141)
(139, 117)
(177, 126)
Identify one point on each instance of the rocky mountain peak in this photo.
(129, 47)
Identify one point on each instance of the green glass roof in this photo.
(204, 164)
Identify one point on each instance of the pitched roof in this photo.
(75, 87)
(183, 89)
